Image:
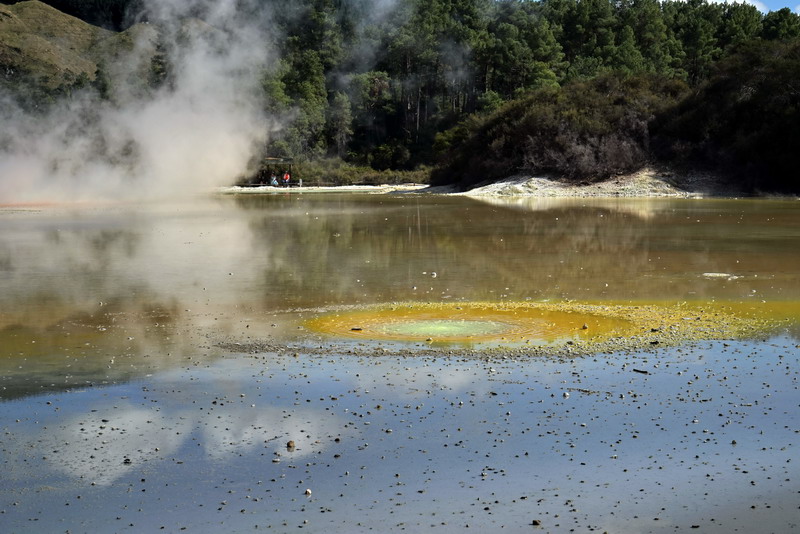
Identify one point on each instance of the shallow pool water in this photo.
(658, 441)
(445, 328)
(157, 359)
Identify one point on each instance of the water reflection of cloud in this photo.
(101, 448)
(244, 430)
(106, 445)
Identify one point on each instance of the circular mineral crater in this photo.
(470, 323)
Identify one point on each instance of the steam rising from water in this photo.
(200, 130)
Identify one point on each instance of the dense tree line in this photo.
(374, 82)
(584, 131)
(743, 120)
(377, 89)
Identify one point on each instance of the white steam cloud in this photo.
(202, 128)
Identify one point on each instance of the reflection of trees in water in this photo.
(379, 250)
(239, 257)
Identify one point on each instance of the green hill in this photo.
(46, 54)
(39, 45)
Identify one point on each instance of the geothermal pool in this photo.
(437, 363)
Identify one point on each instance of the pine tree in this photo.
(781, 25)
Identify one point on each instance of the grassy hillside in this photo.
(40, 45)
(46, 55)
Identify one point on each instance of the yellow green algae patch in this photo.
(581, 326)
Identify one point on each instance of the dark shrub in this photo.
(744, 120)
(582, 132)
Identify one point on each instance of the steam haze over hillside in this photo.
(201, 128)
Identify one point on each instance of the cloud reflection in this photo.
(108, 444)
(103, 448)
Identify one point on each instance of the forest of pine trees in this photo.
(582, 88)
